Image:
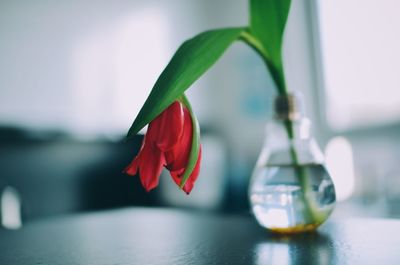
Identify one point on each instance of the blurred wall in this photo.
(82, 70)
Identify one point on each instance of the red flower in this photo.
(167, 143)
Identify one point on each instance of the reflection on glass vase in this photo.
(290, 190)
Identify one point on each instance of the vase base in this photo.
(294, 229)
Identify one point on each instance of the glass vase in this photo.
(290, 190)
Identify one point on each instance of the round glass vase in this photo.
(290, 190)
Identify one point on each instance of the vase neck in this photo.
(288, 107)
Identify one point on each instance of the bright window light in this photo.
(10, 209)
(114, 70)
(360, 42)
(339, 162)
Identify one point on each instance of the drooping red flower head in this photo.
(167, 143)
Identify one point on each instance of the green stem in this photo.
(275, 69)
(301, 174)
(277, 74)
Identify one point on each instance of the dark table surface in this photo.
(166, 236)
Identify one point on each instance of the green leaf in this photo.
(267, 23)
(192, 59)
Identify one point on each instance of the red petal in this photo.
(193, 177)
(178, 174)
(177, 158)
(150, 167)
(132, 168)
(168, 126)
(149, 162)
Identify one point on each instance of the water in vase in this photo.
(287, 198)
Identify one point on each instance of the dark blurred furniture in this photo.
(56, 174)
(165, 236)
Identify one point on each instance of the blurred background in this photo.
(74, 74)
